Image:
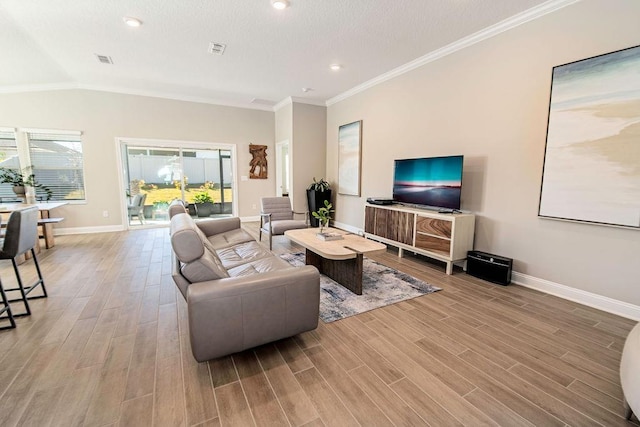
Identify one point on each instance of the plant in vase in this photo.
(20, 182)
(318, 193)
(204, 203)
(323, 215)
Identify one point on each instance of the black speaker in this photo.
(493, 268)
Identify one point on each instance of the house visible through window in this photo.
(55, 159)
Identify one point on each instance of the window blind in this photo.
(57, 163)
(8, 160)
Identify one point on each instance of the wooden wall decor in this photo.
(258, 162)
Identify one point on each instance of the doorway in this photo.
(283, 168)
(158, 172)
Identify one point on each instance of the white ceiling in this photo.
(271, 55)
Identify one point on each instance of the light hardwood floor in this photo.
(111, 346)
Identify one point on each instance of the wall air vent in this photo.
(217, 48)
(104, 59)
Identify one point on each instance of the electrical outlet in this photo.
(253, 207)
(105, 214)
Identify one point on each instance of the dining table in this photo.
(45, 208)
(45, 222)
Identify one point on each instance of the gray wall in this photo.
(489, 102)
(103, 116)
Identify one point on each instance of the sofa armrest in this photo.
(232, 314)
(211, 227)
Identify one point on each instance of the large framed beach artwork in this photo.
(349, 146)
(592, 158)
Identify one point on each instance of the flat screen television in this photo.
(430, 181)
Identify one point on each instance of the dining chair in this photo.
(6, 308)
(276, 217)
(21, 236)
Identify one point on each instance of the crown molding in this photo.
(174, 97)
(287, 101)
(291, 99)
(492, 31)
(38, 87)
(308, 101)
(129, 91)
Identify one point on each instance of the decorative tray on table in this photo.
(329, 236)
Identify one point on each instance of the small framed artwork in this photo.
(349, 159)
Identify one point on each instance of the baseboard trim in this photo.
(250, 218)
(346, 227)
(600, 302)
(590, 299)
(88, 230)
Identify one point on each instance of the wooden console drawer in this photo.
(434, 226)
(434, 244)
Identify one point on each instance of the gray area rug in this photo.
(381, 286)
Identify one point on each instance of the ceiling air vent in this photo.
(217, 48)
(104, 59)
(262, 102)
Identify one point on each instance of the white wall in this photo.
(489, 102)
(304, 126)
(308, 149)
(103, 116)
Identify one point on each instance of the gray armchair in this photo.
(136, 208)
(276, 217)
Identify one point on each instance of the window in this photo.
(54, 158)
(8, 160)
(56, 162)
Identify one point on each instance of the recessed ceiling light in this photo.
(307, 89)
(280, 4)
(131, 21)
(335, 67)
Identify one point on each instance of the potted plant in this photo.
(318, 193)
(20, 182)
(204, 203)
(323, 215)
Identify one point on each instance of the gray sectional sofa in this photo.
(239, 295)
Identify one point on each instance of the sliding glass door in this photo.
(156, 175)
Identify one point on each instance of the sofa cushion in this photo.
(271, 263)
(176, 207)
(185, 238)
(279, 227)
(242, 253)
(199, 260)
(230, 238)
(207, 267)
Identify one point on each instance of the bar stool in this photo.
(6, 309)
(20, 237)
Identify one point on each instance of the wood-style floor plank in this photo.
(110, 346)
(295, 403)
(169, 406)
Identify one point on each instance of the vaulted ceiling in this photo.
(270, 54)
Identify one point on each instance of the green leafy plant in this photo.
(160, 204)
(17, 179)
(324, 214)
(320, 185)
(202, 197)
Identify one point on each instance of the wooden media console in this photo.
(442, 236)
